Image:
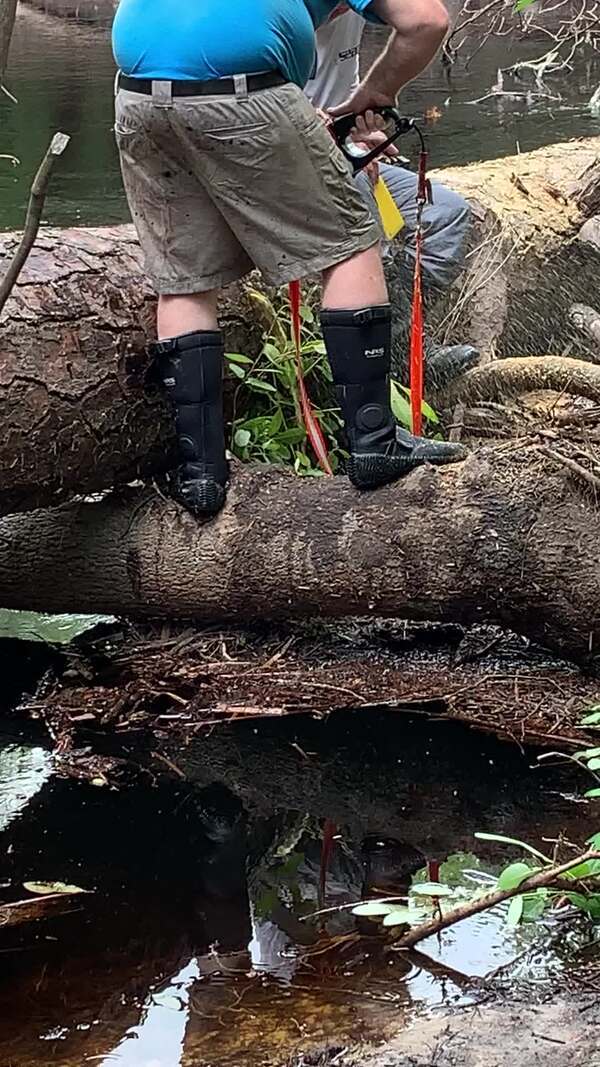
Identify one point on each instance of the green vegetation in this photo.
(463, 880)
(267, 417)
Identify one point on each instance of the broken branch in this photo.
(35, 207)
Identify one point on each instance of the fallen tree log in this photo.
(505, 536)
(525, 268)
(75, 403)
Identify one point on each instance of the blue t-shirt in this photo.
(202, 39)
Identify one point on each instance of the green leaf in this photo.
(589, 869)
(316, 348)
(514, 874)
(272, 352)
(594, 841)
(592, 793)
(515, 911)
(276, 422)
(594, 765)
(256, 383)
(521, 5)
(242, 438)
(431, 889)
(294, 436)
(512, 841)
(400, 406)
(405, 916)
(591, 720)
(239, 373)
(237, 357)
(451, 870)
(373, 908)
(586, 753)
(590, 905)
(534, 905)
(429, 413)
(307, 314)
(44, 888)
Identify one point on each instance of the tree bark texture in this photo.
(525, 269)
(75, 402)
(505, 536)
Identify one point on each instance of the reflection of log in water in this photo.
(169, 868)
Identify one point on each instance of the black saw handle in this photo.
(340, 128)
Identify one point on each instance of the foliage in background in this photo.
(267, 419)
(53, 629)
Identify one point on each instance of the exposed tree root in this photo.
(507, 378)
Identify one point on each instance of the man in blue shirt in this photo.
(227, 167)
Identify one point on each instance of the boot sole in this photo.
(201, 496)
(373, 471)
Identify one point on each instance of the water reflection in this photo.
(158, 1039)
(23, 771)
(200, 944)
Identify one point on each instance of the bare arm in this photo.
(419, 27)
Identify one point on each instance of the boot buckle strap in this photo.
(164, 348)
(372, 314)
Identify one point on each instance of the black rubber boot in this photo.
(445, 363)
(191, 369)
(358, 345)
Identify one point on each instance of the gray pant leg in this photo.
(446, 222)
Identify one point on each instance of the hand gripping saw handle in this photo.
(340, 129)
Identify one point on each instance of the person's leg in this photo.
(186, 313)
(357, 329)
(356, 282)
(190, 353)
(446, 223)
(190, 253)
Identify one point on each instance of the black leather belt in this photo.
(214, 87)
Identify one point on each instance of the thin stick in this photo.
(8, 11)
(570, 464)
(474, 907)
(26, 911)
(35, 207)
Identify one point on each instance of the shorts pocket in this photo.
(238, 133)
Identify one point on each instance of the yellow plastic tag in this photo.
(391, 216)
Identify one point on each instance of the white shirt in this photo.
(337, 68)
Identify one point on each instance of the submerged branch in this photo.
(548, 877)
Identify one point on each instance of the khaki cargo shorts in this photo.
(220, 184)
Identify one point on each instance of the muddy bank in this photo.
(564, 1030)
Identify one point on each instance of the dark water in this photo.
(62, 76)
(192, 951)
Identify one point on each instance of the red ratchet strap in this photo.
(310, 420)
(417, 346)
